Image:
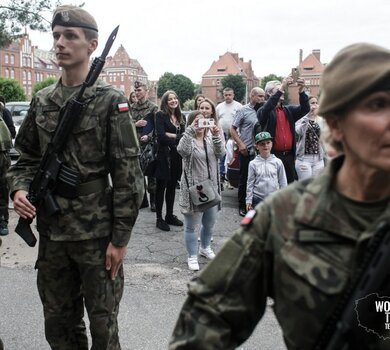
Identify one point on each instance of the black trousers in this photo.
(288, 159)
(244, 165)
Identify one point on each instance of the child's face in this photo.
(264, 148)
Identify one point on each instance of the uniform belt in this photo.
(83, 189)
(283, 153)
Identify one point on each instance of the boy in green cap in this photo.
(266, 173)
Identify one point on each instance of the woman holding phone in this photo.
(200, 148)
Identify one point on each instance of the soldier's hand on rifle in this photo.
(114, 259)
(22, 205)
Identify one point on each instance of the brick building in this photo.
(122, 71)
(27, 64)
(228, 63)
(311, 70)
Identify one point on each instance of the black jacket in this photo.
(267, 117)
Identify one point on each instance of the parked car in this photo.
(18, 112)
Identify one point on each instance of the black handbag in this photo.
(148, 158)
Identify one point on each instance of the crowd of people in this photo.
(299, 244)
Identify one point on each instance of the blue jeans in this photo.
(192, 221)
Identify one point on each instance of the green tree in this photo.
(188, 105)
(163, 83)
(179, 83)
(42, 84)
(237, 83)
(268, 78)
(11, 90)
(17, 14)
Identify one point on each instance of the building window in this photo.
(12, 59)
(24, 75)
(6, 59)
(12, 74)
(29, 76)
(6, 73)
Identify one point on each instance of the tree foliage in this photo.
(17, 14)
(237, 83)
(42, 84)
(179, 83)
(271, 77)
(11, 90)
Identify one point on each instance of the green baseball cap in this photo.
(263, 136)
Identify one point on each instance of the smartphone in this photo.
(295, 74)
(206, 123)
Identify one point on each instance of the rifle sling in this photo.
(83, 189)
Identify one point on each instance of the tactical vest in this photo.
(5, 135)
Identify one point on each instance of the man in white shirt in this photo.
(226, 111)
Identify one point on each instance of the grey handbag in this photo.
(203, 194)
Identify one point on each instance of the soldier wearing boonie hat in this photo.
(311, 246)
(73, 16)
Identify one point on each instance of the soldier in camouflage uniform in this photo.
(81, 250)
(7, 133)
(302, 245)
(143, 112)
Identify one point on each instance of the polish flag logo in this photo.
(123, 107)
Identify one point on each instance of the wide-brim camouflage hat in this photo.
(73, 16)
(352, 73)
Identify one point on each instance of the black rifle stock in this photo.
(372, 273)
(51, 165)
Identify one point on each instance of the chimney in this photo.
(317, 54)
(300, 56)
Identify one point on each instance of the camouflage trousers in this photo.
(71, 275)
(5, 163)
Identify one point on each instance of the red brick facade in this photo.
(228, 63)
(311, 70)
(27, 64)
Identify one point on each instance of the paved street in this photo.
(156, 275)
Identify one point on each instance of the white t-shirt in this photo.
(226, 113)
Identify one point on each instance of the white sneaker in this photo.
(193, 264)
(207, 252)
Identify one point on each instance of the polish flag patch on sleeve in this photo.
(123, 107)
(248, 217)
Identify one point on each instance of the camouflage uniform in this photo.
(146, 110)
(7, 132)
(72, 245)
(299, 249)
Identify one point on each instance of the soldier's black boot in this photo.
(153, 202)
(145, 203)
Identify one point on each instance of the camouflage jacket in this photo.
(146, 111)
(298, 249)
(103, 142)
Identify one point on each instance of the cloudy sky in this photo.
(186, 36)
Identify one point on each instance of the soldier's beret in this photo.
(73, 16)
(354, 72)
(138, 84)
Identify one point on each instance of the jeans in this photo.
(192, 221)
(309, 165)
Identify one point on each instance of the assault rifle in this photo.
(52, 167)
(370, 278)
